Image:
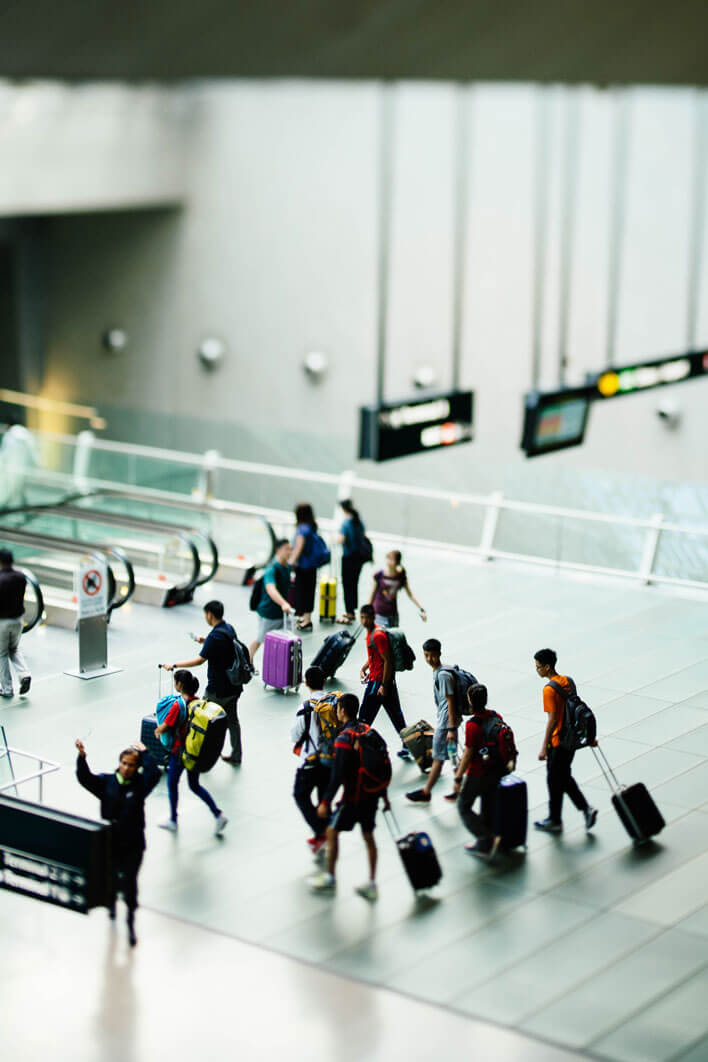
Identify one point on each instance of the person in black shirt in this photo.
(218, 651)
(123, 794)
(12, 607)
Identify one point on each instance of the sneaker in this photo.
(322, 882)
(548, 826)
(220, 825)
(452, 797)
(369, 891)
(403, 754)
(418, 796)
(7, 694)
(25, 684)
(169, 824)
(590, 818)
(232, 760)
(481, 849)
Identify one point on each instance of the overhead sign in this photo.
(555, 420)
(91, 588)
(643, 376)
(412, 426)
(53, 856)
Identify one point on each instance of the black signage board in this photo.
(415, 425)
(555, 420)
(646, 375)
(56, 857)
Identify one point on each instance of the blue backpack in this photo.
(316, 551)
(161, 711)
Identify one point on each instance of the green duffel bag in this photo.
(418, 739)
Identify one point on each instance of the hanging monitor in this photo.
(555, 420)
(415, 425)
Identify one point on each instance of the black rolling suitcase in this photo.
(634, 804)
(334, 652)
(417, 855)
(159, 752)
(511, 812)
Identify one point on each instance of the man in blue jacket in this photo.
(123, 794)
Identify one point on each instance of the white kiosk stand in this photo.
(91, 588)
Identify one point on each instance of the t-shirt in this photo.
(443, 684)
(12, 594)
(376, 643)
(353, 533)
(218, 651)
(306, 559)
(553, 702)
(277, 575)
(387, 587)
(475, 740)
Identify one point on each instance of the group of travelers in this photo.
(331, 788)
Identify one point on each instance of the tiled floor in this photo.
(583, 941)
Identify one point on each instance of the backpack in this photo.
(502, 753)
(256, 595)
(463, 680)
(241, 671)
(326, 711)
(162, 710)
(374, 773)
(579, 724)
(204, 740)
(366, 550)
(318, 553)
(401, 653)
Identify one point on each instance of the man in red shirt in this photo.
(481, 772)
(380, 678)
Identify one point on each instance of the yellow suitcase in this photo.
(328, 600)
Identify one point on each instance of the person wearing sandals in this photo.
(354, 556)
(384, 593)
(309, 553)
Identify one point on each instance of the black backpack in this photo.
(463, 680)
(501, 750)
(241, 671)
(256, 595)
(579, 728)
(374, 774)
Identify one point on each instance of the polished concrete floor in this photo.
(583, 942)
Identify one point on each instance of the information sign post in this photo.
(91, 590)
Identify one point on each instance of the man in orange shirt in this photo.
(558, 759)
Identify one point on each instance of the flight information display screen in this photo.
(554, 421)
(415, 425)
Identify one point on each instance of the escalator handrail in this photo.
(23, 536)
(40, 600)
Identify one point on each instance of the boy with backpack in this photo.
(363, 769)
(554, 750)
(313, 735)
(380, 678)
(489, 754)
(449, 717)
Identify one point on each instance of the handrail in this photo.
(40, 600)
(22, 537)
(493, 505)
(65, 508)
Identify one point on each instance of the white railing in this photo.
(43, 767)
(490, 507)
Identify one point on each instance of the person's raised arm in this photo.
(85, 777)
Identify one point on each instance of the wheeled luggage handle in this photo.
(616, 789)
(392, 823)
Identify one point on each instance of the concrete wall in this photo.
(275, 252)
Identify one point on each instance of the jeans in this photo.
(307, 779)
(560, 781)
(371, 702)
(484, 786)
(174, 773)
(351, 570)
(10, 632)
(230, 706)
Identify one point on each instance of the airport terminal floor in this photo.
(582, 947)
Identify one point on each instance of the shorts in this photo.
(385, 621)
(440, 744)
(346, 816)
(265, 625)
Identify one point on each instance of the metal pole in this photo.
(697, 219)
(540, 230)
(385, 194)
(570, 186)
(460, 220)
(618, 210)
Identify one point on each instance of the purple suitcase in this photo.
(282, 660)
